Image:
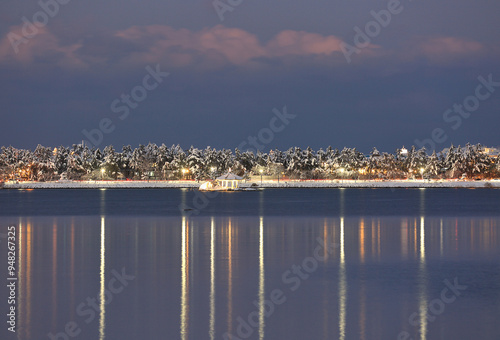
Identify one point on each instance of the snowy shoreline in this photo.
(265, 184)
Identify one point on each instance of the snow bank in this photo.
(265, 184)
(381, 184)
(102, 184)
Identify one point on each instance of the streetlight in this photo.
(422, 172)
(261, 175)
(102, 173)
(342, 175)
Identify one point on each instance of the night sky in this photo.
(348, 79)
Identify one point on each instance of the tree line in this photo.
(151, 161)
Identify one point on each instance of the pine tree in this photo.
(373, 163)
(110, 161)
(196, 163)
(163, 160)
(61, 160)
(124, 161)
(433, 166)
(42, 167)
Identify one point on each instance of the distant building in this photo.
(404, 151)
(492, 152)
(229, 181)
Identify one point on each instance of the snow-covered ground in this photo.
(265, 184)
(101, 184)
(381, 184)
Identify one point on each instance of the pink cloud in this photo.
(450, 45)
(234, 45)
(302, 43)
(215, 47)
(445, 49)
(222, 45)
(16, 47)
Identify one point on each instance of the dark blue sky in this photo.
(225, 77)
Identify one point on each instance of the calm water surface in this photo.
(275, 264)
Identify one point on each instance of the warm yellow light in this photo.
(422, 170)
(102, 170)
(212, 169)
(341, 169)
(261, 171)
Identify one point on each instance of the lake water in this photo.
(273, 264)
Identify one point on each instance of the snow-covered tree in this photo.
(374, 163)
(226, 160)
(433, 166)
(146, 160)
(124, 161)
(42, 167)
(476, 161)
(246, 159)
(389, 166)
(76, 162)
(309, 160)
(178, 161)
(110, 162)
(61, 159)
(294, 161)
(196, 164)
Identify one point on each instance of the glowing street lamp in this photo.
(341, 175)
(102, 173)
(422, 172)
(261, 171)
(184, 172)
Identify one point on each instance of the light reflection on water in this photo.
(261, 279)
(102, 281)
(342, 283)
(422, 283)
(185, 280)
(212, 279)
(383, 270)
